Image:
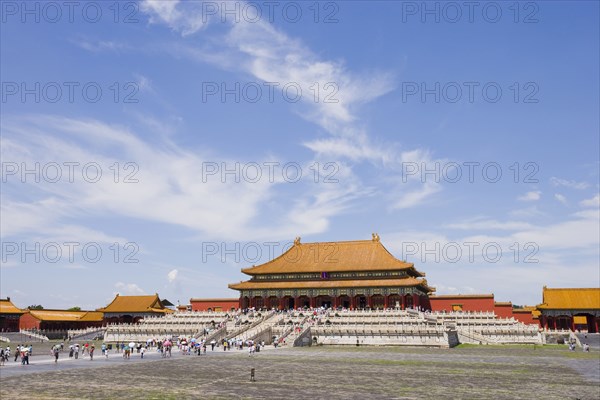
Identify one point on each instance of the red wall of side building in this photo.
(27, 321)
(503, 310)
(214, 304)
(525, 317)
(468, 303)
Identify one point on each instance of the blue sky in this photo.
(359, 98)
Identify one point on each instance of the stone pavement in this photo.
(479, 372)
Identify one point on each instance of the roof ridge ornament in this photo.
(375, 237)
(297, 241)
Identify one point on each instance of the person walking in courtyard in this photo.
(24, 355)
(76, 351)
(92, 348)
(55, 352)
(17, 352)
(142, 351)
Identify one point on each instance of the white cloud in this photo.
(570, 184)
(264, 52)
(593, 202)
(489, 224)
(562, 199)
(530, 196)
(413, 198)
(188, 21)
(172, 275)
(170, 185)
(529, 212)
(128, 289)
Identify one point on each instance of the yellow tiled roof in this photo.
(122, 304)
(7, 307)
(570, 298)
(92, 316)
(325, 284)
(524, 309)
(358, 255)
(57, 315)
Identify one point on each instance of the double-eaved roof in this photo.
(351, 256)
(322, 259)
(570, 299)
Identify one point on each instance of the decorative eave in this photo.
(348, 256)
(332, 284)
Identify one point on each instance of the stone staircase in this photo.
(259, 330)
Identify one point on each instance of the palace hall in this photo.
(352, 274)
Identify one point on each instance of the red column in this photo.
(335, 302)
(402, 302)
(572, 323)
(296, 305)
(596, 321)
(415, 300)
(385, 301)
(554, 322)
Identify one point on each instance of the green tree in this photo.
(74, 309)
(36, 307)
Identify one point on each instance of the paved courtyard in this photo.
(515, 372)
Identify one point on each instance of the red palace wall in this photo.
(503, 310)
(525, 317)
(468, 302)
(27, 321)
(214, 304)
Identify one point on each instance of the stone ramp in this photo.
(23, 337)
(593, 339)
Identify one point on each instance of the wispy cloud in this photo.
(130, 289)
(264, 52)
(561, 199)
(531, 196)
(570, 184)
(593, 202)
(172, 275)
(489, 224)
(170, 185)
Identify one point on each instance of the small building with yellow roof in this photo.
(570, 308)
(9, 316)
(130, 309)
